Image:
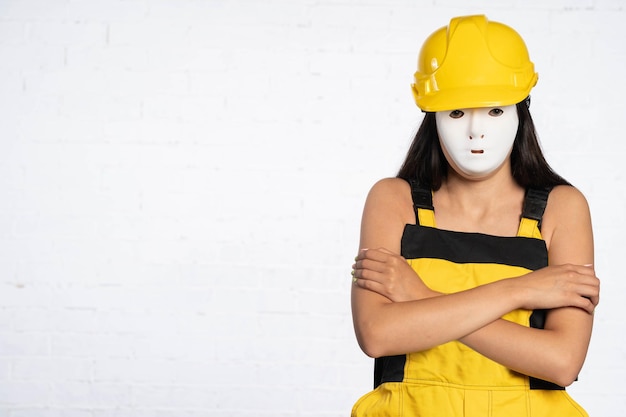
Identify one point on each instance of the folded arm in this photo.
(406, 316)
(557, 352)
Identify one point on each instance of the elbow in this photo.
(372, 350)
(371, 341)
(370, 346)
(564, 380)
(565, 370)
(566, 377)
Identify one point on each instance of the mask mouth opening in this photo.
(477, 151)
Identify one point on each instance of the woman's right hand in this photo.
(560, 286)
(388, 274)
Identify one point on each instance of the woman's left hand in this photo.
(389, 275)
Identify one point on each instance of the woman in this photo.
(474, 287)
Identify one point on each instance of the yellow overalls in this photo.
(452, 380)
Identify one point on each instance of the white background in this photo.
(181, 184)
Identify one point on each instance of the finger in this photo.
(371, 285)
(590, 301)
(584, 303)
(371, 265)
(589, 307)
(584, 269)
(593, 294)
(366, 254)
(369, 275)
(374, 254)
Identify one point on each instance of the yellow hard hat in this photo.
(473, 63)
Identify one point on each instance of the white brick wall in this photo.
(181, 183)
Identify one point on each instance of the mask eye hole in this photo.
(496, 112)
(456, 114)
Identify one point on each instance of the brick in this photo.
(35, 58)
(48, 369)
(89, 395)
(5, 366)
(47, 412)
(68, 33)
(31, 320)
(22, 394)
(24, 344)
(174, 397)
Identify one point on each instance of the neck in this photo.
(490, 205)
(480, 192)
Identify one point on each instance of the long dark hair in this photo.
(426, 162)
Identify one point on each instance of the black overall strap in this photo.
(534, 206)
(535, 203)
(422, 198)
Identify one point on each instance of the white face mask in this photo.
(477, 141)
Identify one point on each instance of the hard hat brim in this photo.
(471, 97)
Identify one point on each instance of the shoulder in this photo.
(392, 195)
(390, 187)
(388, 209)
(566, 199)
(567, 213)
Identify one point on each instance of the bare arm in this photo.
(564, 342)
(384, 327)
